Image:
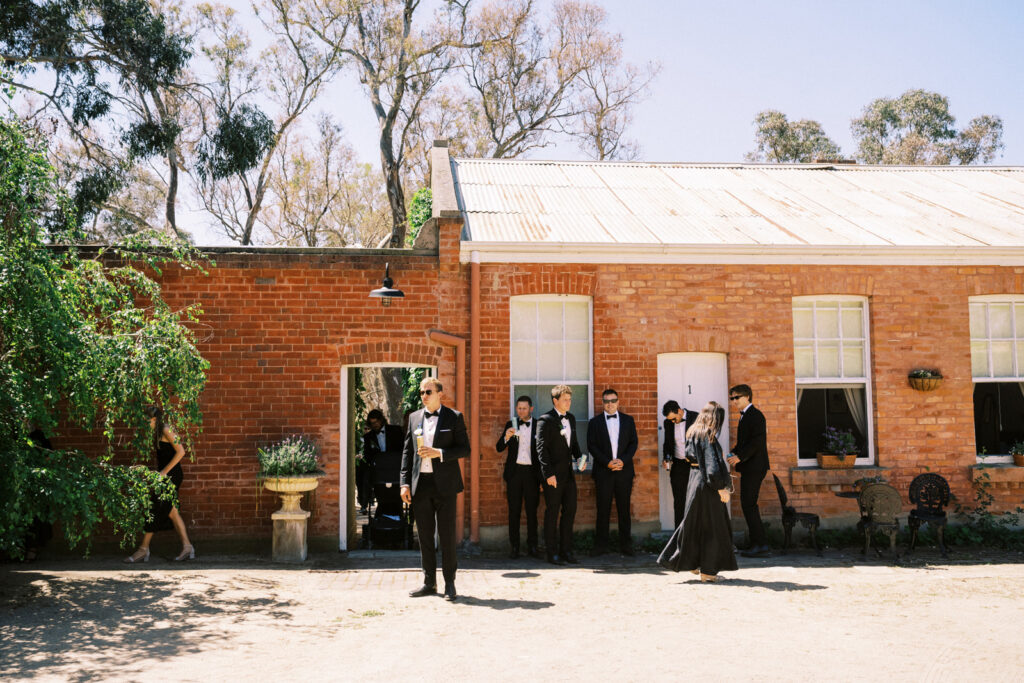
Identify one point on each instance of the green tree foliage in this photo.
(87, 341)
(420, 210)
(917, 128)
(780, 140)
(111, 61)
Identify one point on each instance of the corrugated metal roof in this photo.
(741, 204)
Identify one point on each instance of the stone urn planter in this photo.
(290, 520)
(831, 461)
(290, 468)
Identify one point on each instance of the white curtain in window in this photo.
(800, 394)
(1021, 385)
(855, 399)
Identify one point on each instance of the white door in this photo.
(691, 379)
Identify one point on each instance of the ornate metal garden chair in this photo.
(879, 505)
(790, 518)
(930, 492)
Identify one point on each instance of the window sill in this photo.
(1008, 474)
(816, 476)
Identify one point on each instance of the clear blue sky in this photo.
(725, 60)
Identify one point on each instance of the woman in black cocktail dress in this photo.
(164, 515)
(702, 543)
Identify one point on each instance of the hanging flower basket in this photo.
(924, 379)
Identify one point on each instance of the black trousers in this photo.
(559, 515)
(523, 488)
(750, 489)
(427, 506)
(620, 486)
(364, 483)
(679, 476)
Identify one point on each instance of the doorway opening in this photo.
(376, 400)
(690, 379)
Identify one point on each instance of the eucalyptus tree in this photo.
(780, 140)
(918, 128)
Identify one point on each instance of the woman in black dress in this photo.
(165, 516)
(703, 542)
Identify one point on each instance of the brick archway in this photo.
(403, 351)
(544, 281)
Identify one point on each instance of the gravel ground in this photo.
(795, 617)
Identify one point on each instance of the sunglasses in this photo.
(610, 400)
(426, 392)
(735, 398)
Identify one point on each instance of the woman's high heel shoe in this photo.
(708, 578)
(187, 553)
(140, 555)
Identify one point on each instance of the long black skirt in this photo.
(703, 540)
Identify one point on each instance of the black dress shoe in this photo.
(628, 552)
(514, 553)
(598, 550)
(535, 552)
(556, 559)
(449, 593)
(757, 551)
(571, 558)
(423, 591)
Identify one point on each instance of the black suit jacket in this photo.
(450, 436)
(556, 457)
(668, 450)
(752, 442)
(599, 444)
(513, 447)
(393, 442)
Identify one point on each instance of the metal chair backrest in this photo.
(930, 492)
(783, 500)
(880, 503)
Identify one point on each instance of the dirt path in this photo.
(786, 618)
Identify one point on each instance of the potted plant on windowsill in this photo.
(839, 450)
(290, 468)
(1017, 451)
(925, 379)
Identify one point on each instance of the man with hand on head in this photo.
(522, 475)
(431, 481)
(677, 421)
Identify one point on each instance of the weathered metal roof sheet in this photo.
(740, 204)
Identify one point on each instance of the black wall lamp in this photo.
(387, 292)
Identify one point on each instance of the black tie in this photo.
(429, 414)
(524, 424)
(613, 417)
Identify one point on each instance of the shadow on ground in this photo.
(48, 622)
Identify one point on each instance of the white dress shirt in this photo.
(429, 427)
(680, 432)
(523, 452)
(613, 433)
(567, 428)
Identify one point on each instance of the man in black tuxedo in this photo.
(431, 481)
(522, 475)
(612, 442)
(677, 421)
(381, 438)
(557, 450)
(749, 457)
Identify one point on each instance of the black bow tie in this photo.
(429, 414)
(613, 416)
(525, 424)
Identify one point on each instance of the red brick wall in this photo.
(278, 327)
(745, 312)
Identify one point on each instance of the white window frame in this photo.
(839, 382)
(1012, 299)
(554, 381)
